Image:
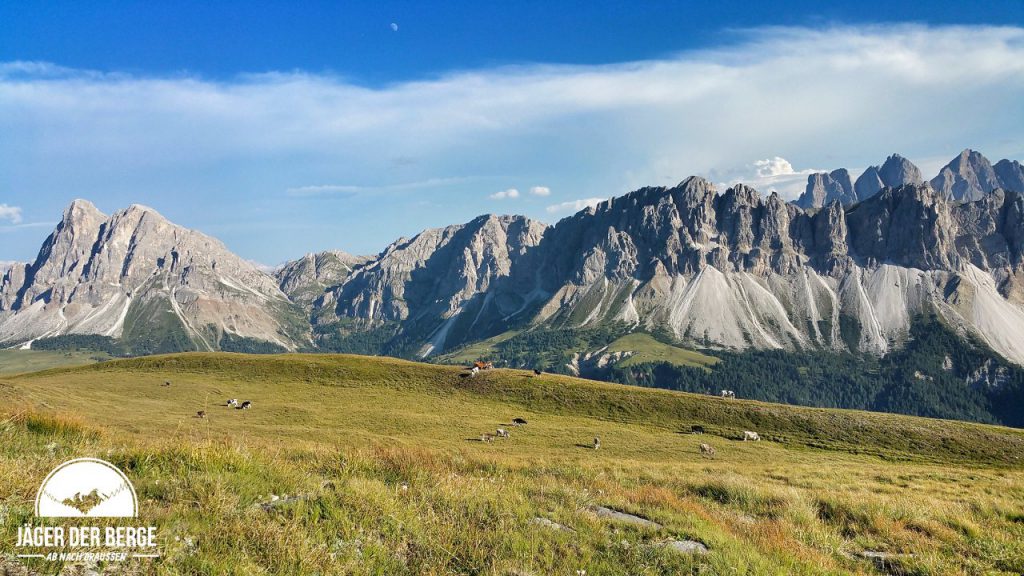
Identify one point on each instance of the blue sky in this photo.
(284, 128)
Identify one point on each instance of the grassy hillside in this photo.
(346, 433)
(646, 349)
(17, 361)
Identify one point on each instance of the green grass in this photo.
(345, 433)
(647, 349)
(478, 350)
(17, 361)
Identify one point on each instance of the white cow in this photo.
(752, 436)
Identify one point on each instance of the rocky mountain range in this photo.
(966, 178)
(846, 268)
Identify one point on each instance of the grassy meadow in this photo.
(380, 469)
(19, 361)
(646, 349)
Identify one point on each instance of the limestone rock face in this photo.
(967, 178)
(438, 277)
(308, 278)
(740, 270)
(825, 188)
(1010, 175)
(894, 172)
(137, 273)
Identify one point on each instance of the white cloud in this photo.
(574, 206)
(775, 174)
(10, 213)
(510, 193)
(540, 191)
(228, 149)
(776, 166)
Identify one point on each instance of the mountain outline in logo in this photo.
(86, 487)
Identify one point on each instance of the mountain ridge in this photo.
(731, 269)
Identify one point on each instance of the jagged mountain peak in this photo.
(80, 208)
(823, 188)
(967, 177)
(897, 171)
(135, 270)
(1010, 174)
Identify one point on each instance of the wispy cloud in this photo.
(823, 98)
(10, 213)
(540, 191)
(503, 194)
(265, 268)
(343, 189)
(25, 226)
(574, 205)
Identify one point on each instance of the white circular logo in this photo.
(86, 488)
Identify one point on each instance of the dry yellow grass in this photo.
(347, 433)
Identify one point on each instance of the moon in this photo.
(394, 27)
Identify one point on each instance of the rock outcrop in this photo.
(308, 278)
(895, 171)
(967, 178)
(439, 277)
(826, 188)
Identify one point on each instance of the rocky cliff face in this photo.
(740, 270)
(308, 278)
(136, 275)
(895, 171)
(824, 189)
(1010, 175)
(439, 278)
(967, 178)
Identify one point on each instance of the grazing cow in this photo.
(696, 429)
(748, 435)
(518, 422)
(502, 433)
(201, 414)
(232, 402)
(537, 372)
(706, 449)
(246, 405)
(597, 442)
(483, 365)
(474, 371)
(728, 394)
(486, 437)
